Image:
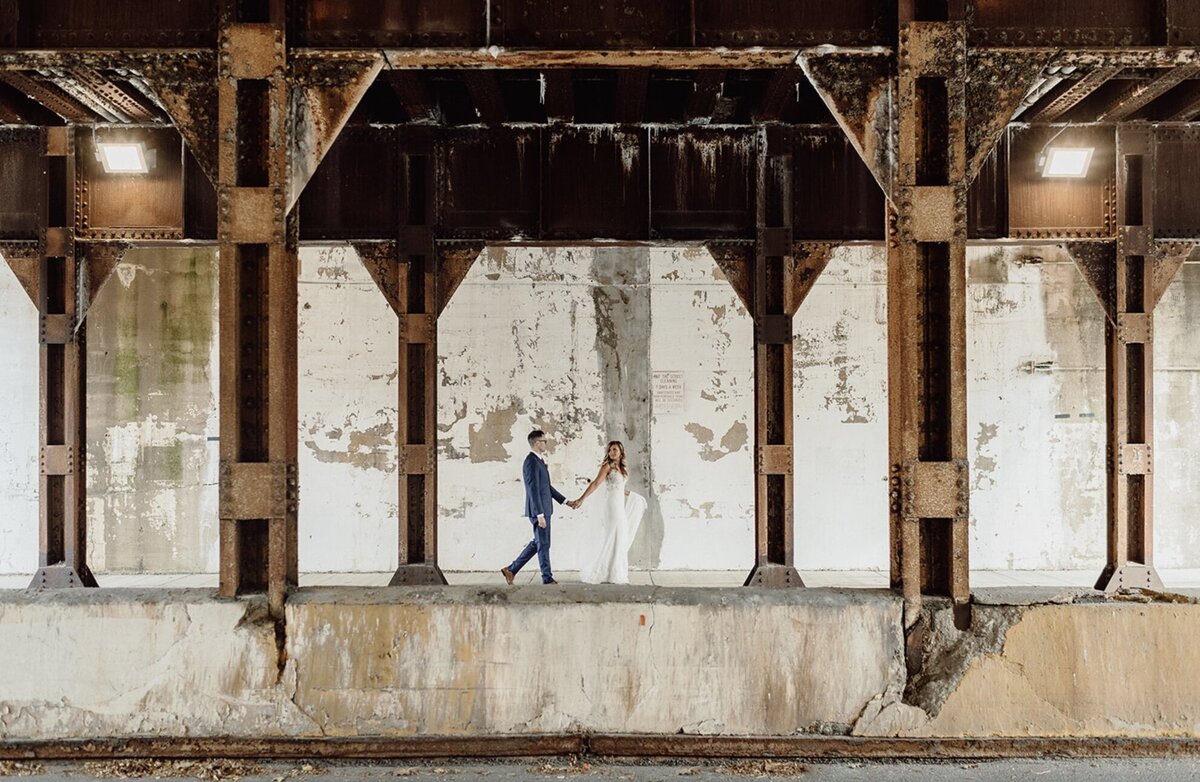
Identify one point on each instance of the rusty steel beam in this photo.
(857, 88)
(323, 96)
(1187, 107)
(545, 59)
(1143, 93)
(996, 85)
(118, 100)
(416, 378)
(62, 491)
(773, 303)
(259, 483)
(49, 96)
(927, 378)
(1132, 291)
(1073, 95)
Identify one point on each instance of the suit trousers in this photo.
(540, 545)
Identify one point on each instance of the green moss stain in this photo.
(186, 321)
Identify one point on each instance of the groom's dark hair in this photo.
(536, 434)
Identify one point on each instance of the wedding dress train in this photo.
(619, 522)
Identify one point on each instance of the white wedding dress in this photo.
(619, 522)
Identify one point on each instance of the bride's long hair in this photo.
(620, 463)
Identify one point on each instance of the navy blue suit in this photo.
(540, 497)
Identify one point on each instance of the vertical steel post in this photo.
(259, 484)
(1129, 372)
(927, 380)
(772, 308)
(62, 519)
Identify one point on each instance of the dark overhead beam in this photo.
(1187, 107)
(413, 94)
(1140, 95)
(539, 59)
(706, 89)
(780, 91)
(1073, 95)
(558, 95)
(24, 109)
(631, 95)
(484, 87)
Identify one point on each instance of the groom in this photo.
(538, 509)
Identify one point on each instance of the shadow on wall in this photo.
(647, 345)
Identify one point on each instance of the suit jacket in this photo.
(538, 491)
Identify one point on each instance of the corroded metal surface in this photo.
(257, 260)
(62, 490)
(858, 88)
(996, 83)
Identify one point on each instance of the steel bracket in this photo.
(417, 460)
(1134, 327)
(56, 329)
(1135, 459)
(774, 460)
(934, 490)
(416, 328)
(258, 490)
(255, 214)
(57, 460)
(773, 329)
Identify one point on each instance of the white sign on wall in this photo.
(667, 392)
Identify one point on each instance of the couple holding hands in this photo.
(621, 512)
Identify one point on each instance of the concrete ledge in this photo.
(408, 668)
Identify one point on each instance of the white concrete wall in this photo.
(347, 353)
(152, 414)
(583, 368)
(571, 339)
(18, 427)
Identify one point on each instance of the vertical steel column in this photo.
(258, 416)
(62, 520)
(772, 306)
(1129, 372)
(927, 382)
(416, 381)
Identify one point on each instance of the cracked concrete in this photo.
(600, 659)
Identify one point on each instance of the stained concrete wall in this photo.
(465, 661)
(152, 414)
(18, 427)
(1035, 409)
(645, 345)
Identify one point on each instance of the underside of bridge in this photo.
(772, 133)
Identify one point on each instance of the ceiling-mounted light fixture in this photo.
(124, 157)
(1065, 162)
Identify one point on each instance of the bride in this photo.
(622, 513)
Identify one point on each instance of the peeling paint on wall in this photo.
(152, 414)
(567, 340)
(18, 427)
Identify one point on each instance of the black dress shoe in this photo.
(508, 575)
(551, 581)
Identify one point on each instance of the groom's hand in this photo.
(541, 521)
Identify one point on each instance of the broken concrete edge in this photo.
(947, 653)
(600, 746)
